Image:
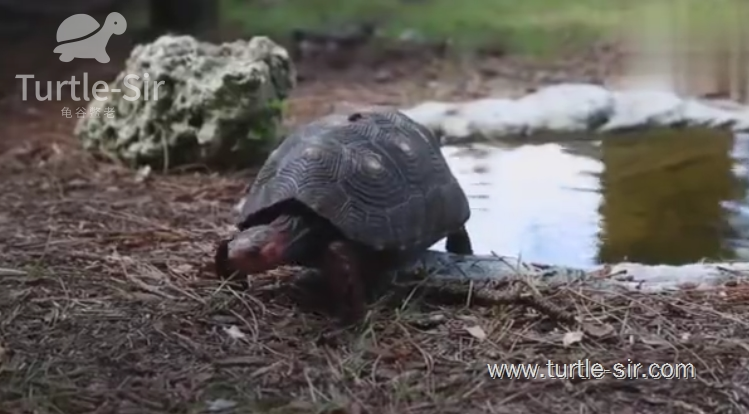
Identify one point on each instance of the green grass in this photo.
(526, 27)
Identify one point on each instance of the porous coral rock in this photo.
(216, 105)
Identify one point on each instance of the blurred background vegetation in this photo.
(692, 46)
(675, 39)
(525, 27)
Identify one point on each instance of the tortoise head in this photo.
(256, 249)
(115, 23)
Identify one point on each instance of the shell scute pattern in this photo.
(76, 26)
(380, 178)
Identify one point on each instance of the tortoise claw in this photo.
(221, 260)
(224, 271)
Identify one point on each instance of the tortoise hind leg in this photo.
(343, 270)
(459, 242)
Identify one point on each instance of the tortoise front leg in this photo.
(342, 268)
(221, 260)
(459, 242)
(222, 268)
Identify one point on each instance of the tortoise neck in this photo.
(301, 237)
(287, 223)
(106, 31)
(293, 228)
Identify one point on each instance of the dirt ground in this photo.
(108, 303)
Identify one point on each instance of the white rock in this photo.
(642, 109)
(567, 108)
(574, 108)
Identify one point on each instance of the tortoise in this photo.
(88, 42)
(354, 195)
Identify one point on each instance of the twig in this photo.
(11, 272)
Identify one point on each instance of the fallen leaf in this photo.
(76, 183)
(234, 332)
(183, 268)
(598, 331)
(220, 405)
(476, 332)
(572, 338)
(143, 174)
(11, 272)
(653, 340)
(468, 318)
(437, 318)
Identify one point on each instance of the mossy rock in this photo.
(219, 106)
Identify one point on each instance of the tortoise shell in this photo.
(76, 27)
(378, 176)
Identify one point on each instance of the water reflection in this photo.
(528, 201)
(656, 197)
(663, 197)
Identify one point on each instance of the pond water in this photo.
(669, 197)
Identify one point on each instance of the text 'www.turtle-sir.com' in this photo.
(586, 369)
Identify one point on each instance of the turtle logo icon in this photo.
(82, 38)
